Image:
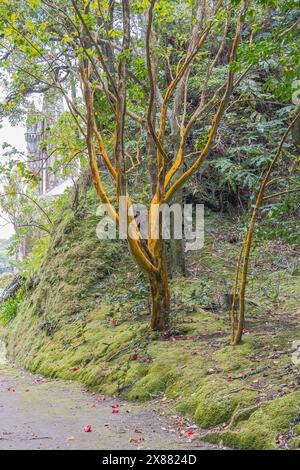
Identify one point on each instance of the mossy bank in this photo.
(84, 316)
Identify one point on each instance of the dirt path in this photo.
(37, 413)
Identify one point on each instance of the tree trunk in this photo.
(296, 130)
(160, 298)
(176, 253)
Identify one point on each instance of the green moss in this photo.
(217, 401)
(243, 441)
(241, 414)
(260, 430)
(136, 372)
(230, 359)
(295, 443)
(161, 376)
(297, 429)
(88, 308)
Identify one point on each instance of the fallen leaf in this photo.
(134, 356)
(117, 405)
(115, 411)
(136, 440)
(11, 389)
(71, 438)
(74, 369)
(102, 398)
(93, 405)
(88, 428)
(105, 367)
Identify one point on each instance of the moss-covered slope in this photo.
(85, 317)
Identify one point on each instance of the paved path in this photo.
(37, 413)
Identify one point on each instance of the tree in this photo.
(100, 45)
(150, 255)
(243, 258)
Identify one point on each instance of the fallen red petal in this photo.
(115, 411)
(191, 338)
(134, 356)
(88, 428)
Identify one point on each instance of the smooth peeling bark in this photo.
(160, 297)
(159, 280)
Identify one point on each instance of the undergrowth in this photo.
(85, 317)
(9, 309)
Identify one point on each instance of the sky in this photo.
(13, 135)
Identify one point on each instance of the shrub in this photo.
(8, 309)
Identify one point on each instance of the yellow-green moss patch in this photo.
(261, 428)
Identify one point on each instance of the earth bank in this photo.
(84, 314)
